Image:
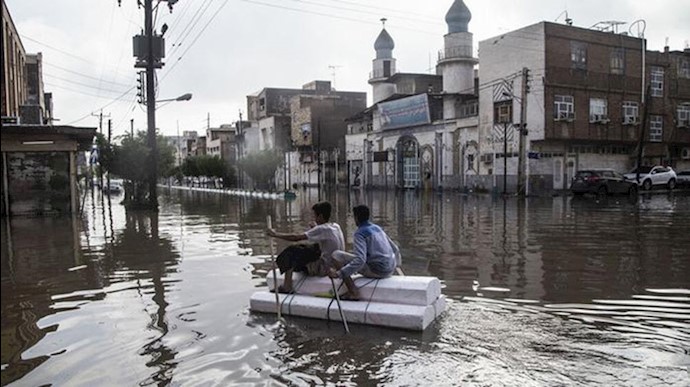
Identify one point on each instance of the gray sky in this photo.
(251, 44)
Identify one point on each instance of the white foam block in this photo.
(409, 290)
(412, 317)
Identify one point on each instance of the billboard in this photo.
(404, 112)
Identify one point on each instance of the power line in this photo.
(391, 10)
(335, 17)
(103, 107)
(81, 74)
(77, 91)
(62, 51)
(190, 25)
(82, 84)
(435, 22)
(195, 39)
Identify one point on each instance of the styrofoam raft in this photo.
(412, 317)
(408, 290)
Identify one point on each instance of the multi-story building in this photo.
(13, 67)
(221, 142)
(582, 92)
(292, 120)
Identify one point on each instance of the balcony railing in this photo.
(378, 73)
(455, 53)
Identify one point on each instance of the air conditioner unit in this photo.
(630, 120)
(565, 116)
(599, 118)
(685, 154)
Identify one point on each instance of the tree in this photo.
(129, 162)
(261, 167)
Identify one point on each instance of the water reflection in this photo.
(549, 291)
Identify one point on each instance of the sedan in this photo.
(601, 182)
(651, 176)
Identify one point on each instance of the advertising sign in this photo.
(404, 112)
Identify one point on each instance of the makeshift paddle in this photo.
(340, 308)
(273, 265)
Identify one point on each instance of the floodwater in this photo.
(541, 292)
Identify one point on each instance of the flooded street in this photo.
(542, 292)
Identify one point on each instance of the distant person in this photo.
(375, 254)
(314, 259)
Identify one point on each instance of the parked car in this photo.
(651, 176)
(601, 182)
(683, 178)
(115, 187)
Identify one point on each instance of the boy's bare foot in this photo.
(282, 289)
(350, 297)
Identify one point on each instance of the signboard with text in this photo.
(404, 112)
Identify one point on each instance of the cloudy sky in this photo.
(223, 50)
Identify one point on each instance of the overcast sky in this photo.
(223, 50)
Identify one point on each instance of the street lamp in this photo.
(183, 97)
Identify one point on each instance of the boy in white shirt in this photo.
(327, 235)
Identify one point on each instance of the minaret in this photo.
(456, 62)
(383, 66)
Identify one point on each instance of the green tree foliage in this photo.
(261, 167)
(209, 166)
(129, 161)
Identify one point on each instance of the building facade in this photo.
(13, 67)
(421, 131)
(584, 102)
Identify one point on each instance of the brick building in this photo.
(584, 108)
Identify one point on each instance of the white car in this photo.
(651, 176)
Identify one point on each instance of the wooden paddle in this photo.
(273, 265)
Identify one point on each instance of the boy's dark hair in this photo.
(361, 213)
(323, 209)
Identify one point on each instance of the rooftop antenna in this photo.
(608, 26)
(334, 68)
(568, 20)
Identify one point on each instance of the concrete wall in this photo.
(501, 60)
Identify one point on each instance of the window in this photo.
(657, 81)
(469, 109)
(656, 128)
(503, 112)
(386, 68)
(563, 107)
(578, 55)
(631, 113)
(684, 115)
(618, 61)
(598, 111)
(684, 68)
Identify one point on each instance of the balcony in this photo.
(455, 53)
(380, 74)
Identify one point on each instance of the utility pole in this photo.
(505, 157)
(240, 151)
(151, 105)
(110, 137)
(131, 128)
(100, 120)
(523, 133)
(640, 144)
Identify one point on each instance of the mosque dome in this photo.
(458, 17)
(384, 41)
